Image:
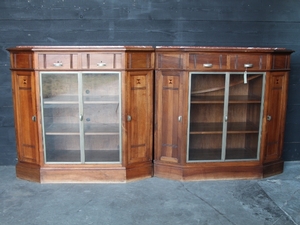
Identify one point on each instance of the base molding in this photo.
(273, 168)
(204, 172)
(120, 174)
(82, 173)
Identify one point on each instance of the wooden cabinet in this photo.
(83, 114)
(219, 112)
(90, 114)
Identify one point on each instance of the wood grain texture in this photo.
(148, 22)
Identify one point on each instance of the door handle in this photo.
(81, 117)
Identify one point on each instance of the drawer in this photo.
(280, 61)
(57, 61)
(249, 61)
(170, 60)
(207, 61)
(140, 60)
(102, 61)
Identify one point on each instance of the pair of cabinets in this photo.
(87, 114)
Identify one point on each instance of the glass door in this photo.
(243, 116)
(225, 116)
(101, 116)
(206, 113)
(81, 117)
(60, 110)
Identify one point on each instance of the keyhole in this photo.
(24, 81)
(277, 81)
(138, 81)
(170, 81)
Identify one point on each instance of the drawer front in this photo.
(247, 61)
(102, 61)
(140, 60)
(280, 61)
(57, 61)
(170, 60)
(207, 61)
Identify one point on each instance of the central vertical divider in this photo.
(225, 116)
(81, 118)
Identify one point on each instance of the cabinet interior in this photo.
(225, 111)
(81, 116)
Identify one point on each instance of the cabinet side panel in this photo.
(140, 117)
(26, 117)
(168, 117)
(276, 116)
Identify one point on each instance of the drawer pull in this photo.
(207, 65)
(128, 118)
(248, 65)
(269, 118)
(101, 64)
(58, 64)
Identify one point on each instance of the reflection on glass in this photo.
(101, 117)
(206, 116)
(244, 112)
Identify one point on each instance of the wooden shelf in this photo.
(90, 129)
(217, 128)
(215, 154)
(73, 156)
(243, 99)
(73, 99)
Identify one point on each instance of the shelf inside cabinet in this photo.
(109, 99)
(204, 154)
(206, 128)
(207, 99)
(101, 129)
(62, 129)
(220, 99)
(215, 154)
(73, 156)
(61, 99)
(241, 153)
(217, 128)
(90, 129)
(242, 127)
(244, 99)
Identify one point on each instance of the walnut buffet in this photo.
(121, 113)
(219, 112)
(83, 114)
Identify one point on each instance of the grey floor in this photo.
(274, 200)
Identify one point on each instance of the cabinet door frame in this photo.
(177, 122)
(81, 115)
(26, 116)
(225, 115)
(138, 128)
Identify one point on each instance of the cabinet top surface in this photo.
(150, 48)
(81, 48)
(221, 49)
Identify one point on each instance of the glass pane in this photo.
(62, 148)
(206, 116)
(244, 113)
(102, 148)
(61, 117)
(61, 87)
(101, 108)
